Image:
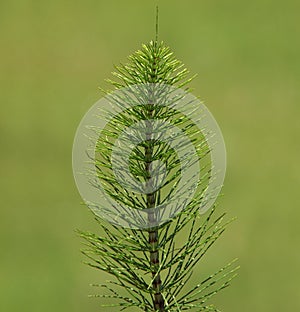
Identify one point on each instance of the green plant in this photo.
(152, 266)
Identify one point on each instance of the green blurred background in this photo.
(54, 55)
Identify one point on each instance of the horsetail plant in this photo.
(151, 247)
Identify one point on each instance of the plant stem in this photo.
(158, 303)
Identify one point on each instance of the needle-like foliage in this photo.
(151, 268)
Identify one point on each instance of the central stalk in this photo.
(152, 218)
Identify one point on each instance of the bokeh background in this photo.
(54, 55)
